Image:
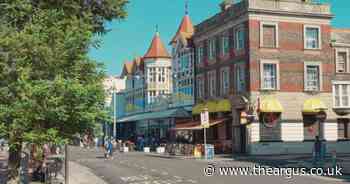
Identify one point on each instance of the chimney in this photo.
(226, 4)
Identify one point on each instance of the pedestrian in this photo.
(317, 149)
(110, 149)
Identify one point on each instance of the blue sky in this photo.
(132, 36)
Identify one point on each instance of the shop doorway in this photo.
(240, 139)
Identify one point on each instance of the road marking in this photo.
(192, 181)
(164, 173)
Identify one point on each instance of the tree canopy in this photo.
(49, 88)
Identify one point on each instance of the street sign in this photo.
(205, 119)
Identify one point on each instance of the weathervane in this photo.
(186, 7)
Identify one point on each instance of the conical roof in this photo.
(157, 49)
(186, 29)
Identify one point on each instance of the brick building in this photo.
(281, 61)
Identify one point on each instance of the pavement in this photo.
(142, 168)
(83, 175)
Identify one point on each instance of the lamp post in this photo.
(114, 112)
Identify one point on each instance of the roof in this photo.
(127, 68)
(186, 29)
(341, 35)
(157, 49)
(171, 113)
(138, 63)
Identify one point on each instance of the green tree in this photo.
(49, 88)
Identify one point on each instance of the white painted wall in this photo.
(292, 131)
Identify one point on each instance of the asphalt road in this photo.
(139, 168)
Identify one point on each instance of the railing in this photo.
(298, 7)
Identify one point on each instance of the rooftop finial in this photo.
(186, 7)
(157, 30)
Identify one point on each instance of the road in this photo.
(140, 168)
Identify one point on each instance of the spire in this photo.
(186, 29)
(157, 48)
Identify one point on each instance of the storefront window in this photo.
(343, 128)
(311, 127)
(270, 126)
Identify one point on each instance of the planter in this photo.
(146, 149)
(161, 150)
(125, 149)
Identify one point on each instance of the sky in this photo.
(131, 37)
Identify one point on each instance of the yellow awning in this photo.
(212, 106)
(313, 105)
(223, 106)
(197, 109)
(270, 104)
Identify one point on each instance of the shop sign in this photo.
(205, 119)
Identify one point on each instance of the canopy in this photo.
(196, 125)
(223, 106)
(270, 104)
(213, 106)
(172, 113)
(313, 105)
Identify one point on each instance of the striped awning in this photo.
(196, 125)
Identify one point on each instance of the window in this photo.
(152, 75)
(224, 81)
(240, 78)
(342, 61)
(239, 38)
(269, 75)
(212, 48)
(343, 128)
(341, 95)
(270, 127)
(225, 45)
(312, 37)
(212, 83)
(311, 127)
(269, 35)
(200, 53)
(200, 86)
(312, 77)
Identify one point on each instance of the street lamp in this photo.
(114, 112)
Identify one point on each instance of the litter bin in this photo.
(209, 152)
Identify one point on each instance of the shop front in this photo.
(219, 132)
(283, 128)
(153, 128)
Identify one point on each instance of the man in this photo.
(110, 149)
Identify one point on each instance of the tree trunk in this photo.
(14, 160)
